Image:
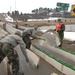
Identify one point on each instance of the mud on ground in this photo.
(69, 45)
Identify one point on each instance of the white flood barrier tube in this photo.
(64, 52)
(9, 28)
(12, 30)
(33, 58)
(47, 40)
(62, 66)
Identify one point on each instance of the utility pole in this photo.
(10, 10)
(15, 5)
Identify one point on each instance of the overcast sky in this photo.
(26, 6)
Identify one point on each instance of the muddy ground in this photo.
(69, 45)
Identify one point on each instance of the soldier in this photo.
(4, 25)
(7, 45)
(60, 28)
(16, 24)
(27, 33)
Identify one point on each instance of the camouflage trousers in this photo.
(26, 39)
(7, 50)
(61, 36)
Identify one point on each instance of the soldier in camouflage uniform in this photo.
(7, 45)
(27, 33)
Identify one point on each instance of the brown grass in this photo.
(46, 22)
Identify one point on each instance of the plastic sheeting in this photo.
(51, 37)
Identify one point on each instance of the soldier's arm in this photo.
(63, 27)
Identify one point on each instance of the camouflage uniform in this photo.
(26, 39)
(7, 45)
(27, 33)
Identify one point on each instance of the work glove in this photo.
(27, 60)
